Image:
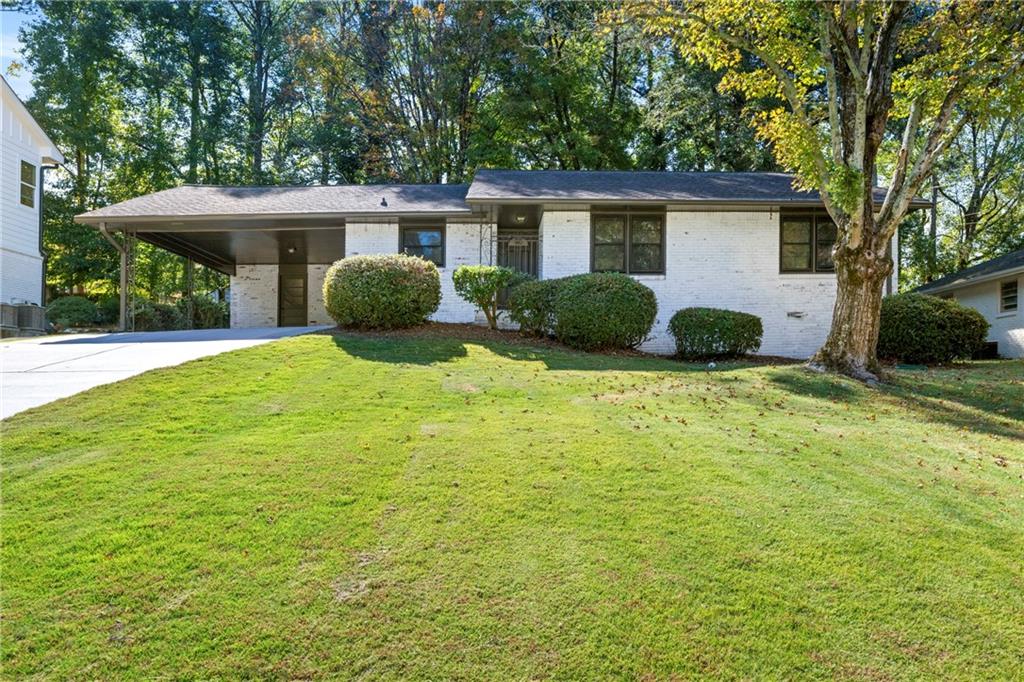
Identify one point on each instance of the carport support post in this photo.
(122, 248)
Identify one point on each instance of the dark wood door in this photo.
(291, 296)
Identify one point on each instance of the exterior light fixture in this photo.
(291, 249)
(520, 218)
(384, 201)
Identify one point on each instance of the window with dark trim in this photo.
(423, 241)
(805, 243)
(28, 184)
(633, 243)
(1008, 296)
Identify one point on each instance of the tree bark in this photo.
(860, 277)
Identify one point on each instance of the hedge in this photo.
(923, 329)
(382, 292)
(603, 310)
(72, 311)
(155, 317)
(702, 333)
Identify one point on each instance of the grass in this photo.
(421, 508)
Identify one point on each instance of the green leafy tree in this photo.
(845, 71)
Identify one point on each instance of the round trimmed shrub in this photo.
(382, 292)
(531, 305)
(714, 333)
(603, 310)
(924, 329)
(72, 311)
(108, 310)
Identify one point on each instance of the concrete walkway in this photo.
(40, 370)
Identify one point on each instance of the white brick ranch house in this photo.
(742, 241)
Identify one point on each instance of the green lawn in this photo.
(415, 508)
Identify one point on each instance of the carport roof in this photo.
(198, 202)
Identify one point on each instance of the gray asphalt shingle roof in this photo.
(659, 186)
(990, 268)
(198, 201)
(211, 200)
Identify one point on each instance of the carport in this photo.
(291, 227)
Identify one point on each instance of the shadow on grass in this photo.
(982, 398)
(432, 350)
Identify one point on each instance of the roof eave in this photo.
(959, 283)
(90, 219)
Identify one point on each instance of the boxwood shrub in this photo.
(531, 305)
(603, 310)
(382, 292)
(702, 333)
(72, 311)
(924, 329)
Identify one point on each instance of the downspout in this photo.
(42, 251)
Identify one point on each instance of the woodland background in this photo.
(142, 96)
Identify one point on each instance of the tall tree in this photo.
(844, 70)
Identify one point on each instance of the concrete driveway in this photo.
(39, 370)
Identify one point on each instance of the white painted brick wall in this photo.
(254, 296)
(716, 259)
(315, 294)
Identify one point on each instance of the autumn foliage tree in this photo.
(855, 78)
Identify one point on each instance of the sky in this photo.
(10, 46)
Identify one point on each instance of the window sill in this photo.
(648, 278)
(1010, 313)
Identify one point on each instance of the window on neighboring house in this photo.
(1008, 296)
(28, 184)
(629, 243)
(806, 243)
(425, 242)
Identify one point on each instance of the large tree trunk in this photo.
(860, 276)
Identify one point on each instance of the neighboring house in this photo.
(26, 152)
(994, 289)
(743, 241)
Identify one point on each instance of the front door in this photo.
(291, 296)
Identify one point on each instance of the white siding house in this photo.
(995, 289)
(25, 150)
(742, 241)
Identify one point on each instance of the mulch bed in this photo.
(481, 334)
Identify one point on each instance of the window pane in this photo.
(28, 195)
(28, 173)
(609, 230)
(796, 257)
(609, 257)
(796, 231)
(826, 230)
(645, 231)
(823, 256)
(1008, 297)
(422, 237)
(645, 258)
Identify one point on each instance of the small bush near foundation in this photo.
(531, 305)
(702, 333)
(482, 284)
(924, 329)
(382, 292)
(157, 317)
(72, 311)
(603, 310)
